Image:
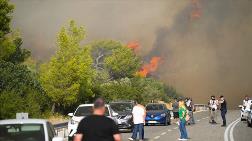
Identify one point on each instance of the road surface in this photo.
(202, 130)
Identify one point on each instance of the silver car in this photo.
(27, 130)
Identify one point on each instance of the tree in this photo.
(5, 17)
(69, 69)
(122, 63)
(99, 51)
(119, 90)
(144, 90)
(18, 89)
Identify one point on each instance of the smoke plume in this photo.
(205, 45)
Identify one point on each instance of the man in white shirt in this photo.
(246, 103)
(213, 106)
(139, 114)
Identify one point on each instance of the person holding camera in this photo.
(213, 106)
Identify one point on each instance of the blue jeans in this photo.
(138, 128)
(182, 129)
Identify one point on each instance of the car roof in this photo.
(23, 121)
(83, 105)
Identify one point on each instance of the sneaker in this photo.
(131, 139)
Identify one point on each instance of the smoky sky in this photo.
(209, 55)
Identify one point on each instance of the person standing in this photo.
(190, 108)
(175, 109)
(182, 120)
(97, 127)
(139, 114)
(213, 106)
(223, 109)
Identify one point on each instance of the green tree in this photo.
(19, 88)
(99, 51)
(122, 63)
(69, 69)
(5, 17)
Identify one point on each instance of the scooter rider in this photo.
(213, 106)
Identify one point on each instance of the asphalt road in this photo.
(202, 130)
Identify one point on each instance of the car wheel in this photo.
(169, 122)
(166, 122)
(248, 124)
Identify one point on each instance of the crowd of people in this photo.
(90, 128)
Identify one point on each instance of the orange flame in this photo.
(133, 45)
(196, 13)
(148, 68)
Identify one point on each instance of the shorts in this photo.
(176, 114)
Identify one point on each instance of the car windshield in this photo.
(22, 132)
(87, 110)
(154, 107)
(121, 107)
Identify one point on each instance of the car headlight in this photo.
(73, 121)
(163, 115)
(128, 117)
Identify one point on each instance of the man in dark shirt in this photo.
(97, 127)
(223, 110)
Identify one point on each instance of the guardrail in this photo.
(201, 107)
(61, 129)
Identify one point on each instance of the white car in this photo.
(27, 130)
(81, 112)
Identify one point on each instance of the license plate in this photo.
(152, 122)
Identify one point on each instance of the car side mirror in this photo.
(57, 139)
(70, 114)
(114, 114)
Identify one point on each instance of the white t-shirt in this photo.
(213, 104)
(138, 114)
(247, 104)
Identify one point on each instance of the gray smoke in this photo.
(200, 57)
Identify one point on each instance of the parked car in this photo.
(124, 111)
(249, 117)
(81, 112)
(27, 130)
(157, 114)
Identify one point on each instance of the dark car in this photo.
(123, 110)
(157, 114)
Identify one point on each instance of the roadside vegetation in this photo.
(77, 73)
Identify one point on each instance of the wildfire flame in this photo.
(196, 13)
(148, 68)
(133, 45)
